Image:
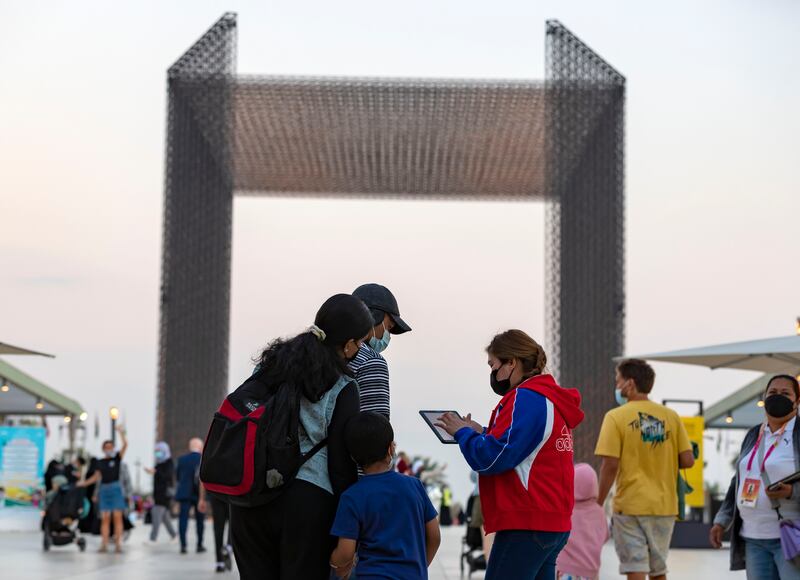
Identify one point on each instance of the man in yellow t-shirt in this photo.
(642, 445)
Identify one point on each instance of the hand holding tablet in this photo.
(442, 423)
(432, 418)
(789, 480)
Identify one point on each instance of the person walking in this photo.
(163, 490)
(446, 507)
(770, 452)
(403, 464)
(369, 366)
(54, 468)
(289, 538)
(110, 496)
(89, 524)
(187, 493)
(220, 515)
(642, 446)
(126, 482)
(523, 458)
(580, 558)
(74, 469)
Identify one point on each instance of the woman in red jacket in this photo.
(523, 458)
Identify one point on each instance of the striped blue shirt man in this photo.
(370, 368)
(372, 376)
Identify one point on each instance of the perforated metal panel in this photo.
(196, 263)
(560, 141)
(585, 222)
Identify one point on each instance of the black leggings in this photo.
(287, 539)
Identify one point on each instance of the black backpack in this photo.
(252, 450)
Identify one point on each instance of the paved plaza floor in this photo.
(21, 557)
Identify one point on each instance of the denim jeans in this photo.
(183, 522)
(764, 560)
(525, 555)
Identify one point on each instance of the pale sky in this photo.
(712, 192)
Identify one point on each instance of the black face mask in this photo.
(499, 387)
(778, 406)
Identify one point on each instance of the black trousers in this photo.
(219, 509)
(287, 539)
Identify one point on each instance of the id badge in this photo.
(750, 492)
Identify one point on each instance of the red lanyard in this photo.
(769, 451)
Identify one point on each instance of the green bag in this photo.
(683, 489)
(683, 486)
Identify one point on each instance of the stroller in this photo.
(472, 556)
(65, 507)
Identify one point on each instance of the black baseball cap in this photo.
(380, 300)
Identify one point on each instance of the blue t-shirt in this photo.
(386, 513)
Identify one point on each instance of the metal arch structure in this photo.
(585, 253)
(559, 141)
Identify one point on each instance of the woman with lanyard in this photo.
(112, 500)
(770, 452)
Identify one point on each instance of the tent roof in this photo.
(6, 348)
(24, 392)
(742, 405)
(769, 355)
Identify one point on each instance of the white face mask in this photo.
(109, 452)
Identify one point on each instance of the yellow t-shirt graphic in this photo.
(647, 438)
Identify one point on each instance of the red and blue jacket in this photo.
(524, 457)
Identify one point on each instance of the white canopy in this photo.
(6, 348)
(769, 355)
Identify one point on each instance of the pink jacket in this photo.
(581, 555)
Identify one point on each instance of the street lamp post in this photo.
(113, 412)
(70, 423)
(138, 465)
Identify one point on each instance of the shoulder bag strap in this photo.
(314, 450)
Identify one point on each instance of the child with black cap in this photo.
(386, 517)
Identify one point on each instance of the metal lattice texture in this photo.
(400, 138)
(390, 138)
(585, 223)
(198, 204)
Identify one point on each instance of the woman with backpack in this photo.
(290, 536)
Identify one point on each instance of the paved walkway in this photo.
(690, 564)
(21, 557)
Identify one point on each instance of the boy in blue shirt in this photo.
(386, 517)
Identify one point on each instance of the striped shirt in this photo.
(372, 374)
